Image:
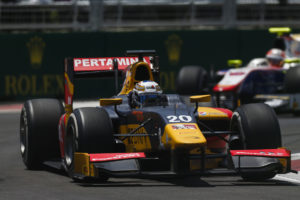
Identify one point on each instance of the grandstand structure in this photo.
(94, 15)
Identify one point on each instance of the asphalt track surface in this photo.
(18, 183)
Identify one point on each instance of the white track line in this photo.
(76, 104)
(10, 111)
(283, 177)
(290, 177)
(296, 156)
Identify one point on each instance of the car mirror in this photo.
(234, 63)
(200, 98)
(292, 60)
(110, 101)
(280, 30)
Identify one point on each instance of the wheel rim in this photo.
(69, 145)
(23, 133)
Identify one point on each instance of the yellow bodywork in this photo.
(83, 166)
(183, 138)
(200, 98)
(110, 101)
(207, 113)
(172, 137)
(135, 143)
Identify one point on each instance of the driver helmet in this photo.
(275, 57)
(146, 92)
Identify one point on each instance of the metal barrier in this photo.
(95, 15)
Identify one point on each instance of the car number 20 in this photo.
(180, 118)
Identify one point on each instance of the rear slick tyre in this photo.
(191, 80)
(292, 80)
(38, 131)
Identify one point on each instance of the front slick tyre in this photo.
(258, 128)
(89, 130)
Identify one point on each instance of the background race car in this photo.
(272, 80)
(142, 131)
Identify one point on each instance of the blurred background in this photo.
(36, 36)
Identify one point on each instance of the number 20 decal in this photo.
(180, 118)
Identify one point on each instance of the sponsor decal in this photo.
(36, 47)
(225, 111)
(194, 137)
(173, 45)
(215, 113)
(33, 85)
(210, 114)
(202, 113)
(139, 115)
(137, 139)
(99, 64)
(224, 88)
(183, 126)
(236, 73)
(180, 118)
(262, 152)
(114, 156)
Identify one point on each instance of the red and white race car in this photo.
(259, 81)
(240, 85)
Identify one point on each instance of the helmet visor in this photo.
(275, 61)
(148, 98)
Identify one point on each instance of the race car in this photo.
(143, 132)
(273, 80)
(240, 85)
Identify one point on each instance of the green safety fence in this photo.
(32, 63)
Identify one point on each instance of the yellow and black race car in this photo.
(142, 131)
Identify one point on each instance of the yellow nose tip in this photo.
(186, 135)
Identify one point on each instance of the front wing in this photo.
(127, 164)
(262, 160)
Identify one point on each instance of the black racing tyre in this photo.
(292, 80)
(89, 130)
(191, 80)
(39, 131)
(258, 128)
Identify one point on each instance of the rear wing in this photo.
(101, 67)
(282, 33)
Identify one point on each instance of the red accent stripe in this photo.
(102, 157)
(228, 112)
(220, 88)
(11, 107)
(295, 165)
(262, 152)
